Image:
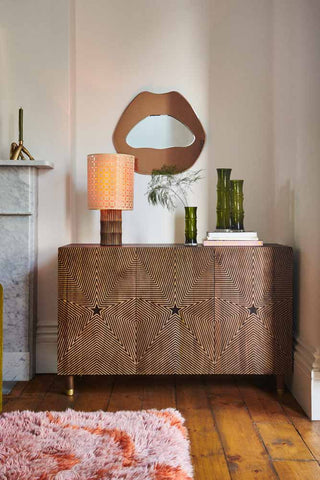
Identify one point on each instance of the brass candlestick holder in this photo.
(17, 151)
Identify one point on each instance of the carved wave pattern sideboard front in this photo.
(171, 309)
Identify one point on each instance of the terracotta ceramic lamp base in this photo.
(110, 227)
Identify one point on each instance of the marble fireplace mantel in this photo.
(18, 263)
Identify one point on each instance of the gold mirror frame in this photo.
(146, 104)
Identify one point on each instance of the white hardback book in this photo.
(232, 235)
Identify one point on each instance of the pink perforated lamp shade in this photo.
(110, 190)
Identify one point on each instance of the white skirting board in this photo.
(305, 381)
(46, 349)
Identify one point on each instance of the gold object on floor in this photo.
(17, 150)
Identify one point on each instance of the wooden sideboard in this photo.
(172, 309)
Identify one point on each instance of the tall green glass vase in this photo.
(190, 225)
(237, 212)
(223, 198)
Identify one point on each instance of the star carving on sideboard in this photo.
(253, 309)
(96, 310)
(175, 310)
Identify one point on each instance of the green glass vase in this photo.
(223, 199)
(190, 225)
(236, 205)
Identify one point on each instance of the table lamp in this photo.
(110, 190)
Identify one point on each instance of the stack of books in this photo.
(232, 239)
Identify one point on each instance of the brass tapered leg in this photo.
(70, 385)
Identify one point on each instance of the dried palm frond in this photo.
(167, 187)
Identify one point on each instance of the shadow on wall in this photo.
(179, 227)
(88, 221)
(285, 231)
(49, 271)
(285, 213)
(211, 190)
(46, 332)
(296, 289)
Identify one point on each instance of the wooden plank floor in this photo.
(238, 427)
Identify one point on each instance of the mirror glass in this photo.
(152, 125)
(159, 131)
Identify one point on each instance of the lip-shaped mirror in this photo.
(147, 104)
(159, 131)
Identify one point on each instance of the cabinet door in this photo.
(194, 296)
(97, 306)
(157, 327)
(253, 310)
(175, 310)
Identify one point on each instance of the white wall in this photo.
(241, 105)
(34, 73)
(121, 49)
(249, 68)
(297, 172)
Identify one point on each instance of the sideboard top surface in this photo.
(165, 245)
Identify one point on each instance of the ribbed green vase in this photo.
(223, 199)
(236, 205)
(190, 225)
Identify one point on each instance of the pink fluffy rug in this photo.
(146, 445)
